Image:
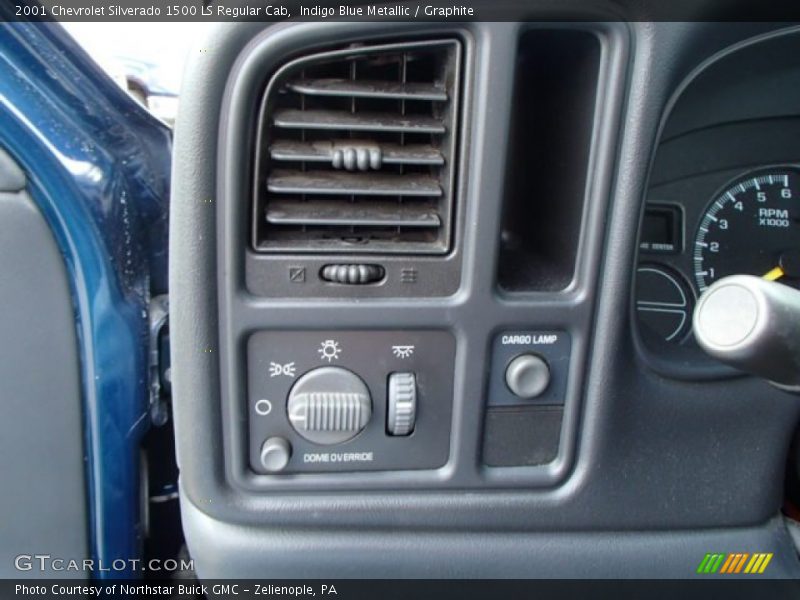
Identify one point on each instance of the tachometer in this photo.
(753, 227)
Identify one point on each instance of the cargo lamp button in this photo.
(528, 376)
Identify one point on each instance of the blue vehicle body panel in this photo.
(98, 167)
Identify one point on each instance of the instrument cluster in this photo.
(690, 238)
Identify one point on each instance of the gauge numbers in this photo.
(751, 228)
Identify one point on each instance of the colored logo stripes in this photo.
(735, 562)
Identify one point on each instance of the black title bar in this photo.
(426, 10)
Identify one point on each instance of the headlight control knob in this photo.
(402, 413)
(329, 405)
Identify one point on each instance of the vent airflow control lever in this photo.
(352, 274)
(329, 405)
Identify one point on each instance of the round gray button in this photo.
(275, 454)
(527, 376)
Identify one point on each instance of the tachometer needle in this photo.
(774, 274)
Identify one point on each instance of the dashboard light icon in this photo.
(276, 369)
(329, 350)
(402, 351)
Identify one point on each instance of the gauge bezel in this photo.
(686, 287)
(679, 229)
(699, 284)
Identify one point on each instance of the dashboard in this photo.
(420, 298)
(721, 198)
(432, 289)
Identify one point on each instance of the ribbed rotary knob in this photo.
(402, 403)
(329, 405)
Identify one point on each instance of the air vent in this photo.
(356, 151)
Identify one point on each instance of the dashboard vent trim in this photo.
(356, 151)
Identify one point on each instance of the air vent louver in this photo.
(356, 151)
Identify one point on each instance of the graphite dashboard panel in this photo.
(578, 422)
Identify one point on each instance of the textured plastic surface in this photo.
(41, 422)
(475, 310)
(654, 454)
(241, 551)
(516, 436)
